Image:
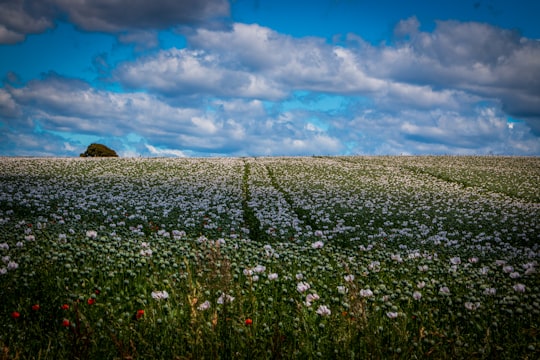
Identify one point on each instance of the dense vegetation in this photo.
(99, 150)
(340, 257)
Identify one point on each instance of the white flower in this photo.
(455, 260)
(12, 265)
(19, 244)
(342, 290)
(146, 252)
(473, 260)
(248, 272)
(323, 310)
(310, 298)
(500, 262)
(4, 246)
(490, 291)
(349, 278)
(366, 293)
(3, 271)
(484, 270)
(225, 298)
(259, 269)
(472, 306)
(302, 287)
(423, 268)
(160, 295)
(417, 295)
(29, 238)
(421, 284)
(519, 287)
(272, 276)
(92, 234)
(318, 233)
(204, 306)
(255, 278)
(508, 269)
(392, 314)
(444, 290)
(317, 245)
(299, 276)
(514, 275)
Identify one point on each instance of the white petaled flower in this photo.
(392, 314)
(12, 265)
(323, 310)
(519, 287)
(3, 271)
(500, 262)
(417, 295)
(299, 276)
(272, 276)
(255, 278)
(146, 252)
(302, 287)
(423, 268)
(248, 272)
(473, 260)
(472, 306)
(204, 306)
(318, 233)
(349, 278)
(19, 244)
(317, 245)
(366, 293)
(515, 275)
(444, 290)
(4, 246)
(259, 269)
(455, 260)
(29, 238)
(92, 234)
(508, 269)
(342, 290)
(225, 298)
(490, 291)
(421, 284)
(160, 295)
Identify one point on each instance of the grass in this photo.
(351, 257)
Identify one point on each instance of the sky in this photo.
(200, 78)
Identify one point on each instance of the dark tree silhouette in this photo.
(99, 150)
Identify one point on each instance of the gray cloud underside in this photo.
(21, 17)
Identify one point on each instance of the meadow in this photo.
(269, 258)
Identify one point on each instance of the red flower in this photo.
(65, 307)
(65, 323)
(15, 315)
(35, 307)
(139, 314)
(249, 322)
(91, 301)
(97, 291)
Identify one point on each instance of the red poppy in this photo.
(65, 307)
(139, 314)
(65, 323)
(15, 315)
(97, 291)
(249, 322)
(35, 307)
(91, 301)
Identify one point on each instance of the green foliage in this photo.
(99, 150)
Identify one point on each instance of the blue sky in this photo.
(261, 77)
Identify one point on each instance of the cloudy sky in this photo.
(269, 77)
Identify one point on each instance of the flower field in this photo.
(301, 257)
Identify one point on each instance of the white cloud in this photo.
(165, 152)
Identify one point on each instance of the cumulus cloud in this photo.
(21, 17)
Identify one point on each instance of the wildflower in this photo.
(91, 301)
(519, 287)
(342, 290)
(160, 295)
(248, 272)
(318, 233)
(65, 323)
(317, 244)
(259, 269)
(299, 276)
(473, 260)
(225, 298)
(15, 315)
(323, 310)
(3, 271)
(12, 265)
(455, 260)
(421, 284)
(92, 234)
(146, 252)
(508, 269)
(35, 307)
(444, 290)
(4, 246)
(515, 275)
(139, 314)
(255, 278)
(396, 258)
(30, 237)
(310, 298)
(392, 314)
(248, 322)
(490, 291)
(64, 307)
(472, 306)
(272, 276)
(204, 306)
(19, 244)
(366, 293)
(417, 295)
(423, 268)
(484, 270)
(302, 287)
(349, 278)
